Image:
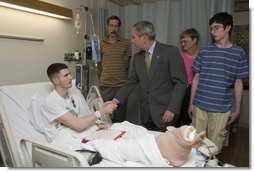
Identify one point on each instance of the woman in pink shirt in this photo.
(189, 41)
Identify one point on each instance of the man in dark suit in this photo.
(162, 84)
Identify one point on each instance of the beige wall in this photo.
(26, 61)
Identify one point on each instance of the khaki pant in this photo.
(213, 123)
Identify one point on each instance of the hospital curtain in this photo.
(171, 17)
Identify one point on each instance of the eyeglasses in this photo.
(185, 41)
(215, 28)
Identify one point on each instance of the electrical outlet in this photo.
(69, 57)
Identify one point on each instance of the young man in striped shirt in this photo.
(217, 67)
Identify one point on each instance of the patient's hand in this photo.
(102, 127)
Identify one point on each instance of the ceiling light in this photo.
(39, 7)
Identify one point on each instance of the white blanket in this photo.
(137, 148)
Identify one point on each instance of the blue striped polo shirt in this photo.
(218, 69)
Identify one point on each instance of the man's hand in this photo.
(167, 117)
(233, 116)
(191, 110)
(108, 108)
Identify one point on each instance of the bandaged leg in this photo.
(176, 145)
(119, 151)
(137, 146)
(139, 152)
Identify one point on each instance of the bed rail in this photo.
(95, 102)
(47, 155)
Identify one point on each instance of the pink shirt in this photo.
(188, 63)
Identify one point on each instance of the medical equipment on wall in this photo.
(87, 66)
(82, 78)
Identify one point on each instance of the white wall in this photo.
(26, 61)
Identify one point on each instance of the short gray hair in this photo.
(145, 28)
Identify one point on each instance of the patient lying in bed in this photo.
(68, 119)
(139, 148)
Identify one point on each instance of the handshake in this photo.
(108, 107)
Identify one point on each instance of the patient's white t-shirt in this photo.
(56, 106)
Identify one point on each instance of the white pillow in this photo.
(35, 115)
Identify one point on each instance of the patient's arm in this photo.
(176, 145)
(83, 122)
(77, 124)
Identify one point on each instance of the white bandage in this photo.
(190, 133)
(97, 114)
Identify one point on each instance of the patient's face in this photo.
(64, 79)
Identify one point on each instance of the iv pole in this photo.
(82, 70)
(91, 51)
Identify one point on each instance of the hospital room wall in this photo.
(26, 61)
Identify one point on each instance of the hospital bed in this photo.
(22, 142)
(22, 145)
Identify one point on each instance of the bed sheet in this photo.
(191, 162)
(142, 150)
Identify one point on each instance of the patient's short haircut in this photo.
(55, 68)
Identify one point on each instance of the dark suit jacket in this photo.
(165, 87)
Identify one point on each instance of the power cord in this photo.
(211, 161)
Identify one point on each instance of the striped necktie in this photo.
(147, 62)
